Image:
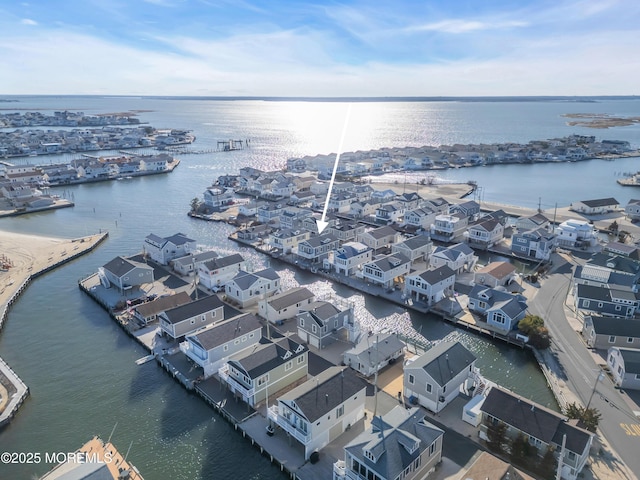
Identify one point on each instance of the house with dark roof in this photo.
(316, 248)
(124, 273)
(542, 427)
(595, 207)
(469, 208)
(288, 239)
(385, 269)
(189, 264)
(485, 233)
(164, 249)
(285, 305)
(459, 258)
(416, 248)
(319, 323)
(624, 249)
(345, 230)
(379, 237)
(436, 377)
(247, 288)
(606, 268)
(148, 312)
(373, 353)
(606, 301)
(257, 373)
(421, 217)
(606, 332)
(321, 409)
(533, 222)
(537, 243)
(430, 286)
(632, 209)
(350, 257)
(210, 347)
(214, 274)
(399, 444)
(391, 212)
(502, 310)
(495, 274)
(449, 228)
(624, 364)
(185, 319)
(439, 204)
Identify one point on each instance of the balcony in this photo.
(282, 422)
(235, 386)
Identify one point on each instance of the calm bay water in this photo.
(80, 365)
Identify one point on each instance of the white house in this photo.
(379, 237)
(215, 273)
(373, 353)
(430, 286)
(575, 234)
(185, 319)
(596, 207)
(163, 250)
(449, 228)
(286, 304)
(485, 233)
(459, 258)
(417, 248)
(350, 257)
(384, 270)
(624, 364)
(246, 288)
(420, 218)
(632, 209)
(287, 240)
(321, 409)
(391, 212)
(217, 197)
(189, 264)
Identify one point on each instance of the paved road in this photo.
(580, 372)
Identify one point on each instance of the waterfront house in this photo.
(155, 163)
(269, 211)
(148, 312)
(321, 409)
(416, 248)
(421, 218)
(449, 228)
(606, 301)
(386, 269)
(605, 332)
(379, 237)
(439, 205)
(624, 365)
(485, 233)
(214, 274)
(250, 208)
(245, 289)
(469, 209)
(287, 240)
(430, 286)
(532, 222)
(164, 249)
(501, 310)
(537, 244)
(496, 274)
(373, 353)
(345, 230)
(576, 234)
(543, 428)
(124, 274)
(317, 248)
(301, 198)
(349, 258)
(217, 197)
(285, 305)
(632, 209)
(436, 377)
(389, 213)
(254, 233)
(401, 444)
(211, 347)
(319, 323)
(383, 196)
(595, 207)
(292, 217)
(189, 263)
(253, 375)
(179, 321)
(459, 258)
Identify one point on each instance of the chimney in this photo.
(326, 397)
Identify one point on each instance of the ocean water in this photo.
(80, 365)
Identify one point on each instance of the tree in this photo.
(195, 204)
(588, 418)
(530, 323)
(613, 228)
(540, 338)
(497, 437)
(520, 450)
(548, 465)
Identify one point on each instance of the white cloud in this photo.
(465, 26)
(28, 21)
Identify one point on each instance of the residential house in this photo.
(247, 288)
(317, 248)
(436, 377)
(304, 197)
(340, 202)
(430, 286)
(485, 233)
(148, 312)
(320, 321)
(449, 228)
(533, 222)
(270, 366)
(125, 273)
(269, 211)
(421, 218)
(607, 301)
(496, 274)
(287, 240)
(349, 258)
(605, 332)
(373, 353)
(389, 213)
(189, 264)
(400, 444)
(250, 208)
(543, 428)
(537, 244)
(410, 200)
(211, 347)
(217, 197)
(502, 310)
(576, 234)
(379, 237)
(286, 304)
(489, 467)
(416, 248)
(386, 269)
(214, 274)
(345, 231)
(179, 321)
(632, 209)
(254, 233)
(383, 196)
(439, 205)
(321, 409)
(459, 258)
(624, 249)
(624, 365)
(596, 207)
(292, 217)
(363, 209)
(163, 250)
(469, 209)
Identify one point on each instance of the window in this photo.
(411, 379)
(429, 388)
(288, 366)
(432, 448)
(339, 411)
(586, 303)
(301, 322)
(244, 338)
(629, 339)
(300, 359)
(236, 341)
(314, 328)
(612, 339)
(618, 308)
(599, 304)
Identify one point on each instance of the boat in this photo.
(145, 359)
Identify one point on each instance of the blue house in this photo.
(536, 244)
(502, 310)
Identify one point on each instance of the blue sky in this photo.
(314, 48)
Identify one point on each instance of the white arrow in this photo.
(322, 223)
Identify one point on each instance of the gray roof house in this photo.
(502, 310)
(185, 319)
(379, 237)
(124, 273)
(595, 207)
(430, 286)
(624, 364)
(385, 269)
(316, 248)
(321, 409)
(214, 274)
(320, 322)
(164, 249)
(246, 288)
(149, 311)
(602, 300)
(436, 377)
(606, 332)
(189, 264)
(399, 444)
(416, 248)
(459, 257)
(286, 304)
(373, 353)
(542, 427)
